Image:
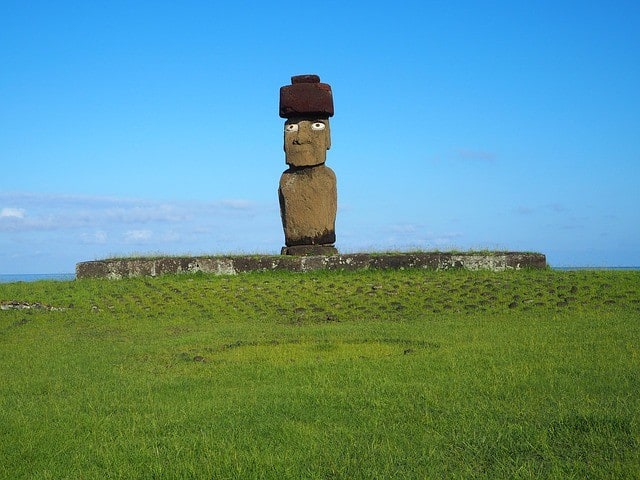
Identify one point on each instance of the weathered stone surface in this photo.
(306, 96)
(494, 261)
(308, 78)
(19, 305)
(325, 250)
(308, 205)
(265, 262)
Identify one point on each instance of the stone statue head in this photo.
(306, 141)
(307, 105)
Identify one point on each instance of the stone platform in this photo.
(230, 265)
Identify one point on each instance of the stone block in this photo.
(306, 97)
(307, 250)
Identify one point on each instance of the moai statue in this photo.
(308, 193)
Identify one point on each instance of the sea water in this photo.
(32, 277)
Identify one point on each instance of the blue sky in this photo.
(152, 127)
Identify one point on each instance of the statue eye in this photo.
(291, 127)
(318, 126)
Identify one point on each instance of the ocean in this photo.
(32, 277)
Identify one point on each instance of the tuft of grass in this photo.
(328, 374)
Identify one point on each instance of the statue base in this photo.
(308, 250)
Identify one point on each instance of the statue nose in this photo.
(302, 137)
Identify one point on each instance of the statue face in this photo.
(306, 141)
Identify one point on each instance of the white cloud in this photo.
(152, 212)
(239, 204)
(9, 212)
(171, 237)
(138, 236)
(48, 212)
(446, 239)
(98, 237)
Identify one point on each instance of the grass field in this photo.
(325, 375)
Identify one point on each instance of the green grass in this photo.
(325, 375)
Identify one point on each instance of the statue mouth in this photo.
(298, 149)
